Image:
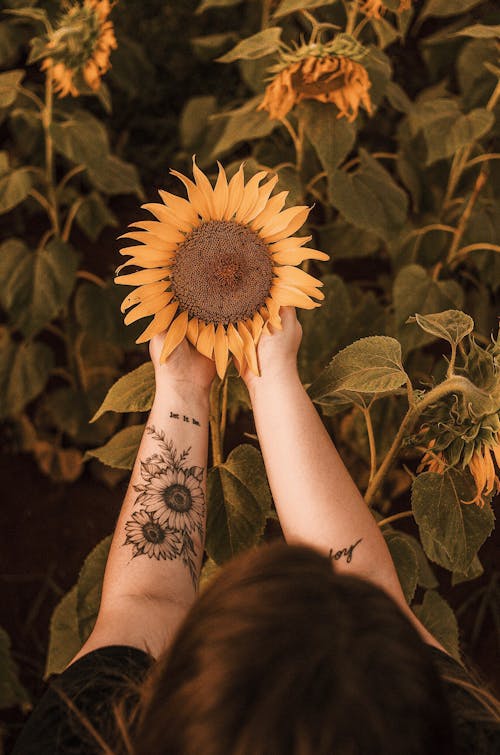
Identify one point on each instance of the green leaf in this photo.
(121, 450)
(426, 577)
(439, 619)
(64, 637)
(114, 176)
(98, 312)
(206, 4)
(209, 570)
(370, 365)
(9, 82)
(474, 571)
(331, 137)
(14, 188)
(443, 8)
(133, 392)
(94, 215)
(82, 139)
(243, 124)
(289, 6)
(209, 46)
(194, 118)
(12, 691)
(256, 46)
(36, 284)
(369, 198)
(89, 587)
(451, 531)
(405, 561)
(239, 501)
(445, 138)
(452, 325)
(480, 31)
(24, 371)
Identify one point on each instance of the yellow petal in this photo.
(264, 194)
(221, 350)
(235, 343)
(148, 307)
(257, 325)
(288, 296)
(192, 330)
(296, 277)
(147, 262)
(250, 196)
(221, 194)
(274, 318)
(196, 196)
(143, 292)
(142, 276)
(150, 240)
(313, 291)
(165, 215)
(235, 192)
(273, 207)
(292, 242)
(296, 255)
(206, 338)
(204, 186)
(163, 231)
(249, 348)
(175, 335)
(180, 207)
(277, 228)
(160, 322)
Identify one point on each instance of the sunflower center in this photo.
(222, 272)
(178, 498)
(153, 533)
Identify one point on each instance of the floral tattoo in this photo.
(171, 507)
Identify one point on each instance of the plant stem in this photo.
(464, 218)
(266, 13)
(70, 218)
(223, 418)
(395, 517)
(351, 16)
(49, 152)
(214, 420)
(451, 385)
(92, 277)
(69, 175)
(371, 441)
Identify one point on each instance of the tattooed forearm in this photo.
(192, 420)
(344, 552)
(171, 507)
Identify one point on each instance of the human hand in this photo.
(185, 365)
(276, 353)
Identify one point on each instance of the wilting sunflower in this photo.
(376, 8)
(78, 50)
(325, 72)
(217, 267)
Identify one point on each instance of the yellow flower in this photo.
(332, 78)
(375, 8)
(221, 263)
(80, 47)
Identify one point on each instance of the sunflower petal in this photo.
(292, 242)
(175, 335)
(142, 276)
(295, 256)
(250, 196)
(196, 196)
(180, 207)
(192, 330)
(274, 318)
(148, 307)
(249, 348)
(163, 231)
(221, 350)
(264, 194)
(221, 194)
(146, 262)
(141, 293)
(235, 343)
(165, 215)
(273, 207)
(295, 276)
(235, 192)
(204, 186)
(257, 325)
(160, 322)
(150, 240)
(288, 296)
(277, 228)
(206, 338)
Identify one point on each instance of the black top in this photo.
(94, 681)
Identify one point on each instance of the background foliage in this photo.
(406, 204)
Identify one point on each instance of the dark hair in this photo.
(281, 655)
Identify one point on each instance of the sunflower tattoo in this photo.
(171, 507)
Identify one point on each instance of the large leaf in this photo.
(94, 215)
(82, 139)
(332, 137)
(97, 310)
(121, 450)
(442, 8)
(115, 176)
(239, 501)
(256, 46)
(369, 198)
(451, 531)
(480, 31)
(89, 587)
(12, 691)
(289, 6)
(14, 188)
(445, 138)
(9, 83)
(193, 120)
(24, 371)
(36, 285)
(133, 392)
(439, 619)
(243, 124)
(405, 561)
(370, 365)
(452, 325)
(64, 637)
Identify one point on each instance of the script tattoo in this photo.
(170, 507)
(344, 552)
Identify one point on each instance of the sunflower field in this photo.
(381, 118)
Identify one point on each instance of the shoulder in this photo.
(83, 694)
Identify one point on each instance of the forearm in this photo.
(316, 499)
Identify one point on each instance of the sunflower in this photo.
(175, 496)
(375, 8)
(217, 268)
(150, 538)
(79, 48)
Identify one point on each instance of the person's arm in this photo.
(317, 501)
(152, 571)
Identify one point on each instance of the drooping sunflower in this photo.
(78, 50)
(325, 72)
(218, 266)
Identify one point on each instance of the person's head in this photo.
(281, 655)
